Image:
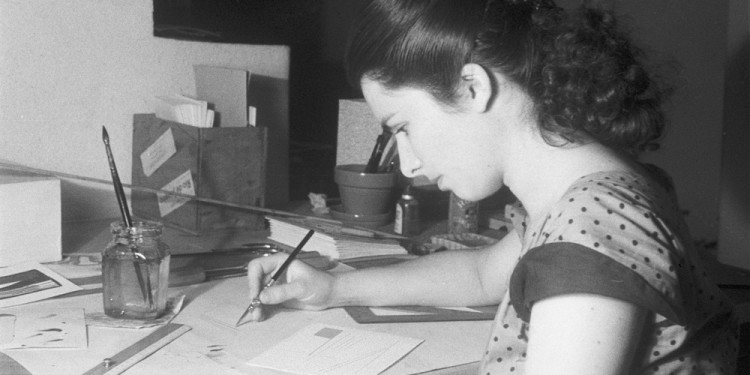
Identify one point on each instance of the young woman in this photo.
(599, 275)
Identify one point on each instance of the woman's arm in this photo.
(451, 278)
(581, 334)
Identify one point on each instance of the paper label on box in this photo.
(183, 184)
(159, 152)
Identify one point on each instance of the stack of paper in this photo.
(184, 110)
(30, 218)
(331, 240)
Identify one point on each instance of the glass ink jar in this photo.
(135, 271)
(407, 214)
(463, 215)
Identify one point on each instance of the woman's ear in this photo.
(478, 87)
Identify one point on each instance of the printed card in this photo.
(183, 184)
(158, 153)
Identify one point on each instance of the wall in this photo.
(734, 233)
(69, 67)
(686, 37)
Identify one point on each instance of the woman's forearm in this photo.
(450, 278)
(446, 278)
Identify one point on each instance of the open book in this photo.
(331, 240)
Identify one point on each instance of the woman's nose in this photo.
(409, 162)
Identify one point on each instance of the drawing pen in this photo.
(256, 301)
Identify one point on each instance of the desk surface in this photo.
(445, 343)
(216, 348)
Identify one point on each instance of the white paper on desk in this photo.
(332, 350)
(29, 282)
(384, 311)
(394, 311)
(46, 329)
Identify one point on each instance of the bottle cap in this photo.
(407, 192)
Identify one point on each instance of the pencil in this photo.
(256, 301)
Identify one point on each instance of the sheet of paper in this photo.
(30, 281)
(46, 329)
(384, 311)
(389, 311)
(226, 316)
(7, 328)
(465, 309)
(226, 90)
(332, 350)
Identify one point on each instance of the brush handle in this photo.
(145, 284)
(119, 191)
(377, 151)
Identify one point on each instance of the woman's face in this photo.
(454, 149)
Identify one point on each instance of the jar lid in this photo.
(139, 228)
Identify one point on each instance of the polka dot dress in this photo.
(618, 226)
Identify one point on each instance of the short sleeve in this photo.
(567, 268)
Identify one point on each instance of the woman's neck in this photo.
(539, 174)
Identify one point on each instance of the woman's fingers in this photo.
(259, 271)
(281, 293)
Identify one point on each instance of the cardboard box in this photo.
(30, 218)
(226, 164)
(357, 131)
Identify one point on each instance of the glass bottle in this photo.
(407, 214)
(463, 215)
(135, 271)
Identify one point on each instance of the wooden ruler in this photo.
(140, 350)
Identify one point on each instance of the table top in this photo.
(215, 347)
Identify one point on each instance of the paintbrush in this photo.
(390, 151)
(123, 203)
(256, 301)
(377, 151)
(372, 163)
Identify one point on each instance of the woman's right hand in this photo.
(301, 287)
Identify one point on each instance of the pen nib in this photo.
(255, 303)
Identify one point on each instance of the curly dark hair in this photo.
(585, 77)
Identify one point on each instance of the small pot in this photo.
(365, 193)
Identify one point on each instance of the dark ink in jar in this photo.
(407, 214)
